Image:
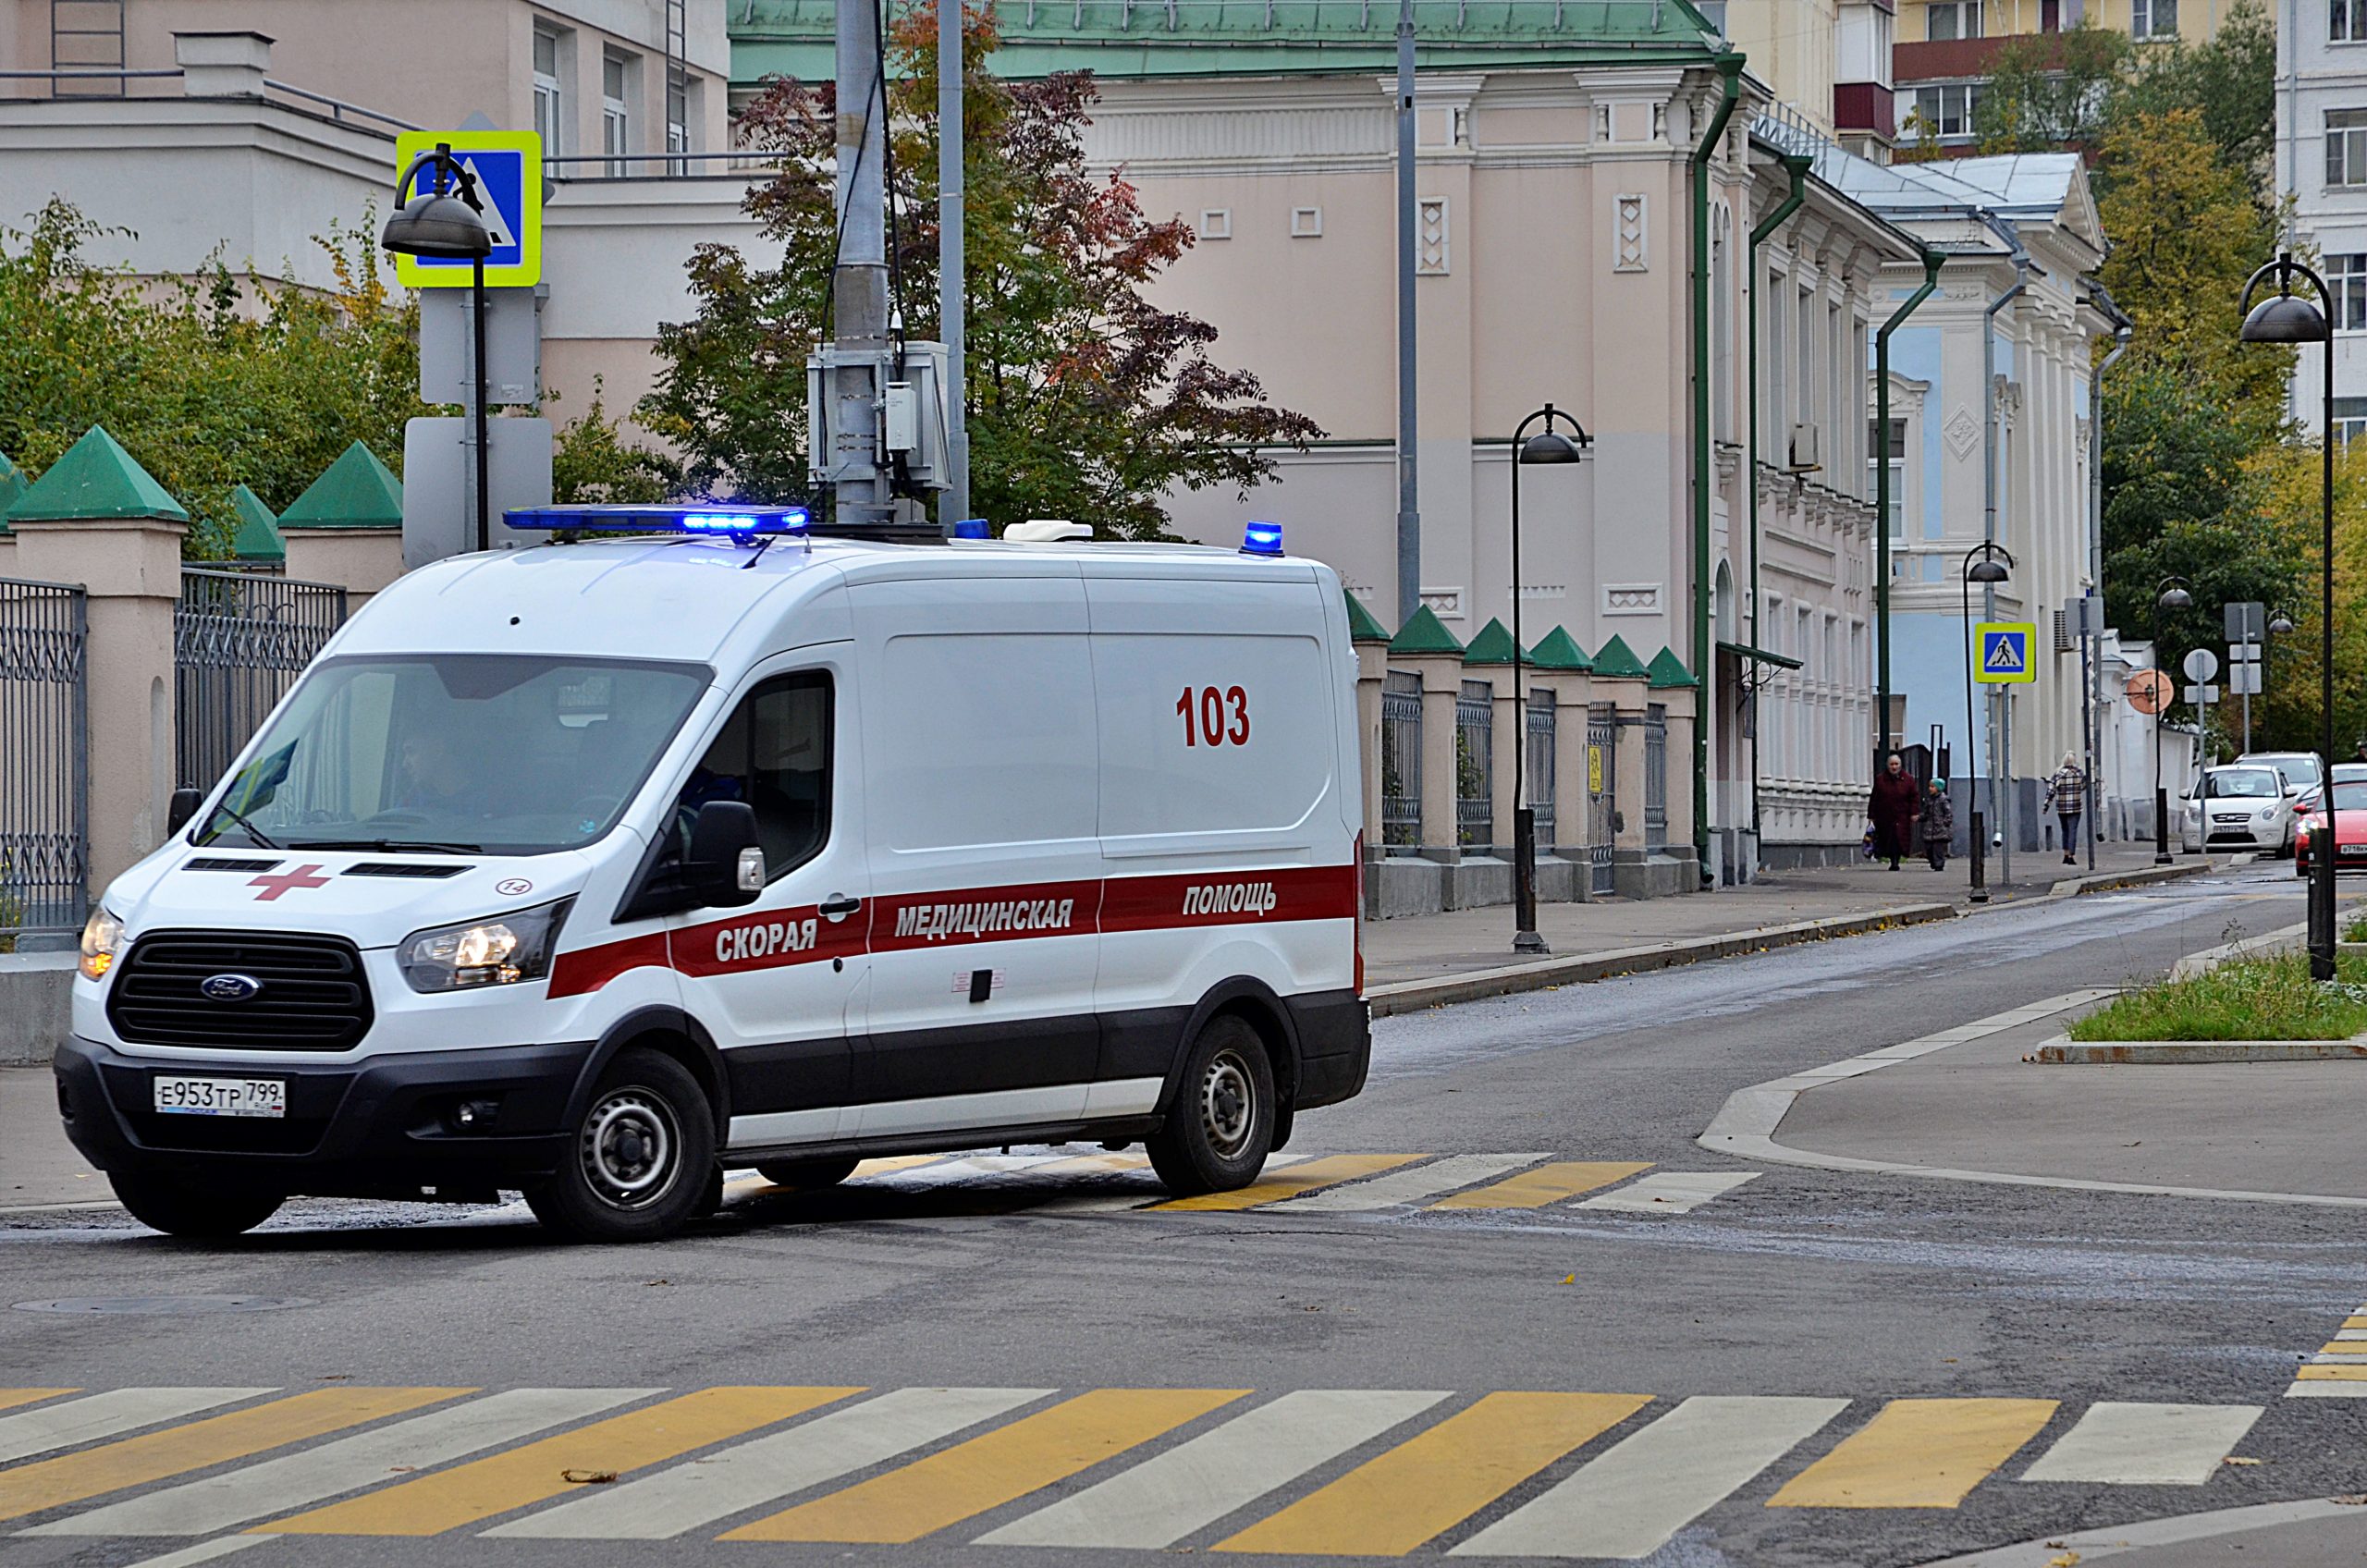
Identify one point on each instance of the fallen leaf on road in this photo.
(2231, 1459)
(2350, 1499)
(587, 1477)
(2068, 1560)
(1569, 1279)
(658, 1281)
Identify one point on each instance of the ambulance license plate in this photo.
(221, 1096)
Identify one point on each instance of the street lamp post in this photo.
(1989, 572)
(2285, 319)
(451, 227)
(1548, 446)
(2168, 595)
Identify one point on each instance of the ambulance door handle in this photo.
(838, 906)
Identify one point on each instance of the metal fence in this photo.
(1401, 759)
(1602, 792)
(1655, 776)
(1475, 805)
(1538, 763)
(240, 640)
(44, 768)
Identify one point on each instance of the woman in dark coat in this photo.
(1893, 805)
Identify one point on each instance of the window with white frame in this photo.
(616, 111)
(1894, 453)
(2349, 418)
(550, 96)
(2153, 19)
(2346, 146)
(2347, 22)
(1945, 20)
(1947, 109)
(2347, 277)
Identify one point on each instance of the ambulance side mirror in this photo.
(184, 806)
(723, 845)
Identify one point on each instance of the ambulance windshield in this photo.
(471, 753)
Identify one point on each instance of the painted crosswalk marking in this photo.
(1410, 1186)
(108, 1415)
(1192, 1485)
(541, 1470)
(1670, 1191)
(2336, 1372)
(987, 1472)
(1918, 1453)
(349, 1465)
(1547, 1183)
(1307, 1177)
(11, 1398)
(1629, 1502)
(1439, 1477)
(680, 1500)
(2145, 1445)
(176, 1450)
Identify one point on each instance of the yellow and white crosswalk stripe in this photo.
(109, 1414)
(1411, 1186)
(1546, 1184)
(1223, 1470)
(1305, 1178)
(1670, 1191)
(2338, 1371)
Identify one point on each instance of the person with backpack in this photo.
(1938, 825)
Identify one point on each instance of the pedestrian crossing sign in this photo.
(509, 169)
(2005, 651)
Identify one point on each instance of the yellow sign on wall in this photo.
(1594, 770)
(509, 169)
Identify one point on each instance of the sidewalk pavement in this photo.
(1418, 961)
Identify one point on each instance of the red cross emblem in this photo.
(287, 882)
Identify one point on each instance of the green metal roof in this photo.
(1667, 670)
(258, 537)
(1363, 627)
(1616, 658)
(13, 483)
(1758, 655)
(1423, 634)
(1558, 650)
(1494, 646)
(1213, 38)
(95, 478)
(357, 491)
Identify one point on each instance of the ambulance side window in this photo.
(774, 753)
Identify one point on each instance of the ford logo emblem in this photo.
(229, 988)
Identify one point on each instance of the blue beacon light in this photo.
(1262, 539)
(727, 522)
(972, 528)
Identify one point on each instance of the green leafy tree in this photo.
(2050, 90)
(2230, 82)
(1086, 399)
(594, 462)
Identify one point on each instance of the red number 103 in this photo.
(1212, 707)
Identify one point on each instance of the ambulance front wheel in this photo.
(1217, 1135)
(642, 1158)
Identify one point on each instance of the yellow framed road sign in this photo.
(508, 166)
(2005, 652)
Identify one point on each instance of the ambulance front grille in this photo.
(311, 993)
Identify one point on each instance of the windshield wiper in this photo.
(390, 846)
(257, 834)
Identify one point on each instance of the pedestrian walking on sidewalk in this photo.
(2066, 794)
(1893, 806)
(1939, 825)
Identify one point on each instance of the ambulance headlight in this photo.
(102, 934)
(499, 950)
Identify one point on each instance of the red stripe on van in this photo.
(767, 940)
(1229, 898)
(963, 916)
(583, 970)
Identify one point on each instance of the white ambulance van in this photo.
(590, 869)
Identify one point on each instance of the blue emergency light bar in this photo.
(1262, 539)
(728, 520)
(972, 528)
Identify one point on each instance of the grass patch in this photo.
(2253, 998)
(2355, 928)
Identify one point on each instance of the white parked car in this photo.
(2239, 806)
(2298, 769)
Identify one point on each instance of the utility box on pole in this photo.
(906, 429)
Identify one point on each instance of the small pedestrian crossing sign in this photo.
(509, 169)
(2005, 651)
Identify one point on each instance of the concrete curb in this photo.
(2104, 881)
(2068, 1052)
(2095, 1546)
(1409, 996)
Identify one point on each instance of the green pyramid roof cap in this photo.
(1558, 650)
(1666, 669)
(1494, 646)
(358, 491)
(1362, 626)
(13, 483)
(95, 478)
(1422, 633)
(258, 537)
(1616, 658)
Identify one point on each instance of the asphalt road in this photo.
(1759, 1331)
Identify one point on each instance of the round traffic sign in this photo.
(2200, 664)
(2148, 690)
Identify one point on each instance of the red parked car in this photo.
(2349, 829)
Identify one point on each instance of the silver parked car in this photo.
(2239, 806)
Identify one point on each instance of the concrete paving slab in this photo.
(41, 1168)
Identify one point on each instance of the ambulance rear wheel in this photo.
(805, 1172)
(198, 1209)
(641, 1158)
(1221, 1127)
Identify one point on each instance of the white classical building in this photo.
(2321, 167)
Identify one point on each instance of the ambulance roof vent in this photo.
(1044, 530)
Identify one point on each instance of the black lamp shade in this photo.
(1552, 447)
(2174, 599)
(2284, 318)
(441, 227)
(1986, 571)
(2280, 625)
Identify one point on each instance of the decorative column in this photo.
(1561, 665)
(346, 528)
(1490, 658)
(1620, 679)
(1427, 648)
(1676, 690)
(96, 517)
(1372, 642)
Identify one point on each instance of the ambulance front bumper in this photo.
(456, 1121)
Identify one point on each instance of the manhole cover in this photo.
(165, 1306)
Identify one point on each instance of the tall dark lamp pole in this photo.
(2286, 319)
(2168, 595)
(1548, 446)
(1988, 571)
(451, 227)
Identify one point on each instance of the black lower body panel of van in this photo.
(1334, 1031)
(387, 1126)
